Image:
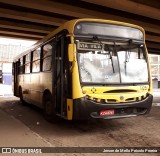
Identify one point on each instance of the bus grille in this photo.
(105, 101)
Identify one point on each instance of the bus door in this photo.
(62, 76)
(15, 78)
(58, 76)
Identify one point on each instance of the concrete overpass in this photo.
(33, 19)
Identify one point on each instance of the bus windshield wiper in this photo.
(97, 39)
(127, 56)
(102, 48)
(111, 58)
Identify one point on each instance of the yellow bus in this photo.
(87, 68)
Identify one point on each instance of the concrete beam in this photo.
(153, 51)
(129, 6)
(19, 37)
(41, 35)
(153, 38)
(31, 17)
(153, 45)
(22, 34)
(24, 26)
(77, 12)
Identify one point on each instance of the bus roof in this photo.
(69, 26)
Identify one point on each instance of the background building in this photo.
(155, 70)
(7, 53)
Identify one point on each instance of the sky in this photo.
(12, 41)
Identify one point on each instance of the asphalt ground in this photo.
(24, 126)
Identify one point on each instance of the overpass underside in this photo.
(33, 19)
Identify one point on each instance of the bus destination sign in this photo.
(89, 46)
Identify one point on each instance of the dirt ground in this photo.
(141, 131)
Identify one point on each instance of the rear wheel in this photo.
(21, 96)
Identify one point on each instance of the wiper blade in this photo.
(127, 56)
(97, 39)
(102, 48)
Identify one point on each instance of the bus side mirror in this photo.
(71, 51)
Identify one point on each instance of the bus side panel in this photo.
(26, 87)
(39, 83)
(35, 88)
(20, 82)
(45, 83)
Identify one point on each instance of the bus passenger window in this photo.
(21, 66)
(36, 54)
(47, 64)
(36, 60)
(36, 66)
(27, 59)
(47, 50)
(27, 63)
(27, 68)
(47, 57)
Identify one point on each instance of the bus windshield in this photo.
(112, 62)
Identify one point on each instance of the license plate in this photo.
(106, 112)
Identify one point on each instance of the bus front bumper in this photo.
(84, 109)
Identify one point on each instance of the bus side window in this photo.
(27, 63)
(21, 66)
(47, 57)
(36, 60)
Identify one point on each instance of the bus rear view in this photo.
(110, 70)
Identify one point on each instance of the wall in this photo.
(7, 73)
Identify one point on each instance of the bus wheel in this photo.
(48, 108)
(21, 96)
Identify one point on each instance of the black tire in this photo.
(48, 108)
(21, 96)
